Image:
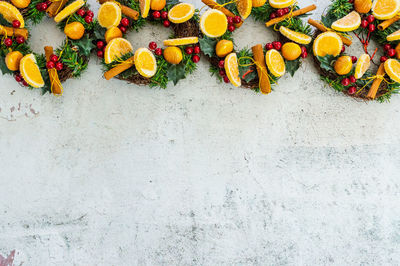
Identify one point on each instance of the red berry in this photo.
(8, 42)
(286, 10)
(38, 6)
(158, 51)
(50, 64)
(230, 20)
(189, 50)
(88, 19)
(222, 72)
(100, 45)
(125, 22)
(371, 27)
(304, 55)
(20, 39)
(345, 82)
(343, 49)
(237, 19)
(164, 15)
(354, 59)
(43, 6)
(16, 24)
(196, 58)
(221, 64)
(156, 14)
(351, 1)
(90, 13)
(196, 49)
(352, 79)
(54, 58)
(269, 46)
(48, 2)
(352, 90)
(280, 12)
(166, 23)
(391, 52)
(231, 28)
(370, 18)
(123, 29)
(272, 16)
(25, 83)
(226, 79)
(152, 46)
(364, 23)
(81, 12)
(383, 59)
(277, 45)
(303, 49)
(59, 66)
(100, 54)
(18, 78)
(387, 47)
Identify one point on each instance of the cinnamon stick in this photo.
(296, 13)
(56, 87)
(377, 82)
(385, 24)
(217, 6)
(127, 11)
(119, 69)
(259, 58)
(9, 31)
(55, 7)
(322, 28)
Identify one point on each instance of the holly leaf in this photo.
(3, 68)
(327, 62)
(85, 45)
(292, 66)
(98, 31)
(207, 45)
(176, 73)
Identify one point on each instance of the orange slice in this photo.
(327, 43)
(232, 69)
(181, 13)
(144, 6)
(275, 63)
(350, 22)
(392, 68)
(116, 48)
(244, 7)
(145, 62)
(11, 13)
(30, 71)
(281, 3)
(363, 64)
(109, 15)
(385, 9)
(394, 36)
(295, 36)
(181, 41)
(213, 23)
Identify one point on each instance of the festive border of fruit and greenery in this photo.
(368, 30)
(247, 69)
(166, 71)
(70, 59)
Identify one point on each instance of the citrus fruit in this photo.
(350, 22)
(232, 69)
(295, 36)
(30, 71)
(343, 65)
(385, 9)
(12, 60)
(327, 43)
(109, 15)
(223, 48)
(21, 3)
(392, 68)
(213, 23)
(11, 13)
(116, 48)
(397, 49)
(181, 41)
(112, 33)
(258, 3)
(394, 36)
(74, 30)
(275, 63)
(145, 62)
(181, 13)
(281, 3)
(144, 6)
(363, 63)
(362, 6)
(173, 55)
(291, 51)
(69, 10)
(157, 4)
(244, 7)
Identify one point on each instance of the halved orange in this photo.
(281, 3)
(11, 13)
(327, 43)
(392, 68)
(69, 10)
(232, 69)
(394, 36)
(145, 62)
(244, 7)
(181, 13)
(275, 63)
(109, 15)
(385, 9)
(350, 22)
(144, 6)
(213, 23)
(181, 41)
(116, 48)
(295, 36)
(363, 64)
(30, 71)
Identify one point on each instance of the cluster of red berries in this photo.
(8, 42)
(43, 5)
(18, 78)
(279, 13)
(350, 81)
(222, 72)
(54, 63)
(188, 50)
(367, 22)
(232, 21)
(162, 15)
(101, 45)
(124, 24)
(153, 47)
(278, 46)
(390, 52)
(87, 15)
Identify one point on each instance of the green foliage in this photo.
(207, 45)
(292, 66)
(246, 64)
(327, 62)
(72, 59)
(176, 73)
(337, 10)
(85, 45)
(34, 15)
(214, 71)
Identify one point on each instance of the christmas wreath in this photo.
(263, 65)
(152, 66)
(370, 76)
(46, 71)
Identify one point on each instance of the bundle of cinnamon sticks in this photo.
(56, 87)
(293, 14)
(259, 59)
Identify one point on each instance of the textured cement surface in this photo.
(198, 174)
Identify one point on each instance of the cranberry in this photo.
(59, 66)
(231, 28)
(152, 46)
(16, 24)
(272, 16)
(387, 47)
(25, 83)
(277, 45)
(196, 58)
(164, 15)
(230, 20)
(370, 18)
(90, 13)
(100, 54)
(20, 39)
(280, 12)
(158, 51)
(269, 46)
(156, 14)
(222, 72)
(303, 49)
(352, 79)
(166, 23)
(346, 82)
(383, 59)
(39, 6)
(226, 79)
(221, 64)
(18, 78)
(43, 6)
(304, 55)
(123, 29)
(197, 49)
(351, 1)
(364, 23)
(353, 59)
(343, 49)
(88, 19)
(189, 50)
(125, 22)
(8, 42)
(81, 12)
(237, 19)
(50, 64)
(391, 52)
(371, 27)
(286, 10)
(352, 90)
(100, 45)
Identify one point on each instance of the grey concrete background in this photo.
(197, 174)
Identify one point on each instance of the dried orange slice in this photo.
(144, 6)
(350, 22)
(394, 36)
(213, 23)
(363, 64)
(69, 10)
(11, 13)
(181, 13)
(116, 48)
(281, 3)
(275, 63)
(109, 15)
(145, 62)
(392, 68)
(232, 69)
(385, 9)
(327, 43)
(181, 41)
(258, 3)
(244, 7)
(295, 36)
(30, 71)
